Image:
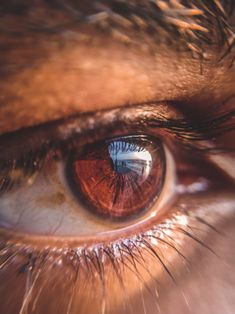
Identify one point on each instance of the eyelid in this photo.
(160, 117)
(31, 146)
(26, 149)
(83, 126)
(94, 126)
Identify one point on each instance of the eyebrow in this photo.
(29, 26)
(195, 23)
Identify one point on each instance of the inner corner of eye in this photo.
(120, 178)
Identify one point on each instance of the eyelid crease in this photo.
(98, 125)
(24, 152)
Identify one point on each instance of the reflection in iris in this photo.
(128, 157)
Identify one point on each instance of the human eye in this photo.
(52, 189)
(117, 157)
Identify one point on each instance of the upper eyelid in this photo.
(104, 123)
(80, 125)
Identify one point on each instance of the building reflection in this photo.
(138, 161)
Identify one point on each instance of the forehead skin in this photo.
(62, 58)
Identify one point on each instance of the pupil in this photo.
(119, 178)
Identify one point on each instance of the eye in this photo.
(56, 182)
(94, 186)
(59, 180)
(88, 189)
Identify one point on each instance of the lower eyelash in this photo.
(95, 263)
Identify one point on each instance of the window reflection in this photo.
(128, 157)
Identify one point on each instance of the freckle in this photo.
(60, 198)
(51, 200)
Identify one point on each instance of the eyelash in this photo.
(128, 254)
(190, 135)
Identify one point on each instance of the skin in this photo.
(83, 71)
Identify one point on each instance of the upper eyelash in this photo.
(196, 135)
(63, 131)
(188, 134)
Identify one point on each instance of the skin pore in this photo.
(62, 59)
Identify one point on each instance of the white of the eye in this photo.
(169, 188)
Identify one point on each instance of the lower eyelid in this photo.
(48, 267)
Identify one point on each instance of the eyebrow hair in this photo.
(195, 23)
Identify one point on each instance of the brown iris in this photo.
(121, 177)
